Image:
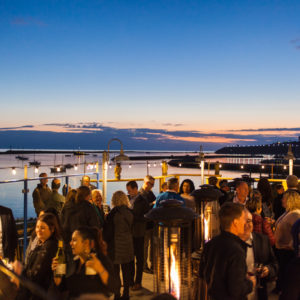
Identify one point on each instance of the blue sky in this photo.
(209, 66)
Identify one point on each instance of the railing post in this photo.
(105, 157)
(98, 175)
(25, 192)
(164, 168)
(202, 166)
(67, 185)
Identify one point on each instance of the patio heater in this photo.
(206, 227)
(172, 248)
(207, 207)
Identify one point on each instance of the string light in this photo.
(154, 165)
(110, 166)
(13, 170)
(75, 167)
(36, 170)
(220, 166)
(149, 165)
(242, 167)
(262, 167)
(180, 164)
(130, 166)
(284, 167)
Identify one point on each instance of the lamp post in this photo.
(201, 161)
(290, 157)
(105, 160)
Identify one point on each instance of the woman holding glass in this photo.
(92, 272)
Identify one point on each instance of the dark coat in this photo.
(77, 283)
(9, 233)
(100, 214)
(38, 268)
(117, 233)
(76, 215)
(40, 197)
(263, 253)
(56, 201)
(223, 267)
(291, 282)
(140, 208)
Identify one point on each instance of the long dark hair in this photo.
(82, 193)
(265, 189)
(51, 220)
(190, 182)
(93, 234)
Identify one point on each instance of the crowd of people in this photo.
(258, 241)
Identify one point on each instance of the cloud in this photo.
(19, 21)
(172, 124)
(17, 127)
(95, 135)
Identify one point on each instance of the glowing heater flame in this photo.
(174, 274)
(206, 230)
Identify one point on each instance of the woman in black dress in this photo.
(92, 272)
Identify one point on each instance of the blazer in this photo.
(263, 253)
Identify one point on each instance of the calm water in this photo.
(11, 193)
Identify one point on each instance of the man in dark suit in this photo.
(259, 251)
(8, 234)
(223, 261)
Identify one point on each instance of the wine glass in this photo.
(259, 269)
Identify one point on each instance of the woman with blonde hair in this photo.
(283, 236)
(118, 235)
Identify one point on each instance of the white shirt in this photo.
(250, 264)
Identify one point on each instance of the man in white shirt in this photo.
(259, 252)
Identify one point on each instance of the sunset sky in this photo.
(210, 71)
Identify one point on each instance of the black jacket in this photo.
(76, 215)
(140, 208)
(263, 253)
(9, 233)
(38, 268)
(291, 282)
(117, 233)
(77, 283)
(223, 267)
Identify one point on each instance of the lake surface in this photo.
(11, 193)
